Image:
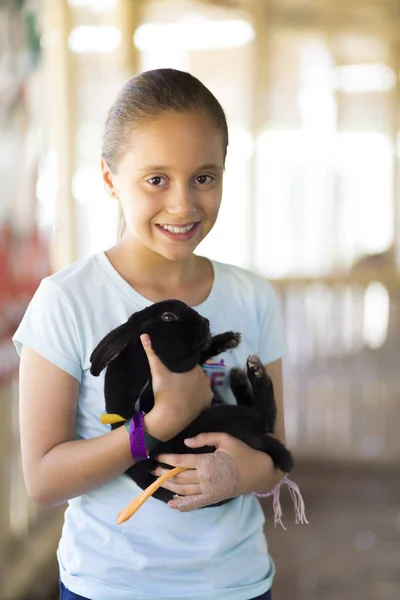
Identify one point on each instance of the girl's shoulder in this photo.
(57, 319)
(78, 291)
(70, 312)
(84, 285)
(242, 279)
(81, 273)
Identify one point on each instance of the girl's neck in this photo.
(157, 278)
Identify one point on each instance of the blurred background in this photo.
(311, 201)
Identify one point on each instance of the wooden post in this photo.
(395, 128)
(127, 18)
(61, 125)
(258, 10)
(5, 474)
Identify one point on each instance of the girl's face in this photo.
(169, 183)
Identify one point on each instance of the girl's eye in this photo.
(204, 179)
(169, 316)
(156, 181)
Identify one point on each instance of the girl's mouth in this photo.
(181, 233)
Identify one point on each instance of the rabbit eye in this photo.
(169, 316)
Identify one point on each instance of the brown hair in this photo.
(149, 94)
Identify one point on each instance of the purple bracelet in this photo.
(136, 438)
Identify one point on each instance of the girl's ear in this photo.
(111, 347)
(108, 179)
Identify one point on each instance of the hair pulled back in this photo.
(150, 94)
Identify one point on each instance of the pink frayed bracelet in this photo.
(300, 509)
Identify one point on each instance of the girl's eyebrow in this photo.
(165, 168)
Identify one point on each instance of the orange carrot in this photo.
(133, 506)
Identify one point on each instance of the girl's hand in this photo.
(186, 483)
(233, 469)
(178, 397)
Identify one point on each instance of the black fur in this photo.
(181, 338)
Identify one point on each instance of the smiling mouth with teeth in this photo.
(174, 229)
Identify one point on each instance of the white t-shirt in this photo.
(217, 553)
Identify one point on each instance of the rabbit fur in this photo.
(181, 338)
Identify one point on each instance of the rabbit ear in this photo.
(111, 347)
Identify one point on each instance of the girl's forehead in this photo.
(166, 121)
(176, 138)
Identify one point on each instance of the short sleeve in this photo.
(49, 328)
(272, 338)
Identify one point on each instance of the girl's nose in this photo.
(181, 201)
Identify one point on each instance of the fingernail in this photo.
(189, 441)
(145, 339)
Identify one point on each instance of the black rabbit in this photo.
(181, 338)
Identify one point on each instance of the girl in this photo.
(163, 156)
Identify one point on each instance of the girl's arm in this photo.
(58, 467)
(274, 370)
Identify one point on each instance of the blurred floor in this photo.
(351, 548)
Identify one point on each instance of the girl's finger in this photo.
(192, 502)
(189, 476)
(186, 461)
(157, 367)
(190, 489)
(207, 439)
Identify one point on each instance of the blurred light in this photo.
(364, 164)
(86, 185)
(372, 446)
(194, 32)
(94, 5)
(241, 145)
(316, 64)
(86, 39)
(397, 522)
(361, 79)
(316, 101)
(47, 187)
(317, 107)
(97, 214)
(364, 540)
(47, 182)
(308, 582)
(277, 154)
(376, 314)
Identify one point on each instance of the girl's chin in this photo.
(177, 256)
